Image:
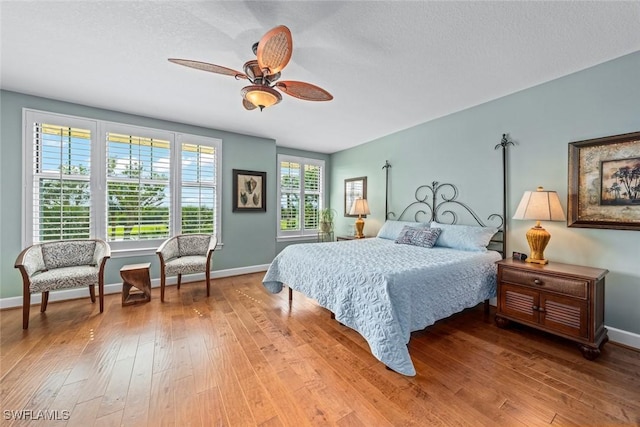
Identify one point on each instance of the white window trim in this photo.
(98, 129)
(28, 118)
(302, 234)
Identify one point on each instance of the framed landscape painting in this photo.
(249, 191)
(604, 183)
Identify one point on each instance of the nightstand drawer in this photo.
(565, 286)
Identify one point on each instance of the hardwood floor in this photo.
(243, 357)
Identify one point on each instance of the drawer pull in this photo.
(537, 281)
(534, 307)
(541, 309)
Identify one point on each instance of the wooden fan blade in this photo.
(205, 66)
(303, 90)
(247, 105)
(274, 49)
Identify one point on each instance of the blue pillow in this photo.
(391, 229)
(464, 237)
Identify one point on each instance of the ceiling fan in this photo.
(273, 53)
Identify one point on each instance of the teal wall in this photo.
(248, 238)
(459, 148)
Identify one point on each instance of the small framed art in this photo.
(249, 191)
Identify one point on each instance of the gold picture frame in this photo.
(604, 183)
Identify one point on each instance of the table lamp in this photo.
(360, 207)
(539, 205)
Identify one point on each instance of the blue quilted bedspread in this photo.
(386, 290)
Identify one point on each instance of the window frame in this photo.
(105, 128)
(303, 233)
(98, 177)
(216, 144)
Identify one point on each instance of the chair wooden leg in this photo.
(162, 278)
(92, 292)
(26, 305)
(101, 294)
(45, 301)
(179, 279)
(208, 274)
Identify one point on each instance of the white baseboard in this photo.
(116, 288)
(624, 337)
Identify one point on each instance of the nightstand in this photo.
(351, 237)
(562, 299)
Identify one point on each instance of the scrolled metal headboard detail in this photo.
(443, 197)
(435, 208)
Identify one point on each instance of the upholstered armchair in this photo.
(186, 254)
(63, 264)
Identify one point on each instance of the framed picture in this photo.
(604, 183)
(249, 191)
(354, 188)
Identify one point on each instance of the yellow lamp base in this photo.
(538, 238)
(359, 228)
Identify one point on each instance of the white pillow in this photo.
(391, 229)
(464, 237)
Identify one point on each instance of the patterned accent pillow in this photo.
(426, 237)
(406, 235)
(423, 237)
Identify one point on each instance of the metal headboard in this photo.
(444, 197)
(436, 202)
(437, 208)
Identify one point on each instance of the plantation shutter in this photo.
(138, 193)
(289, 196)
(198, 192)
(312, 195)
(301, 195)
(61, 199)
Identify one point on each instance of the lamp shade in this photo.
(359, 207)
(261, 96)
(540, 205)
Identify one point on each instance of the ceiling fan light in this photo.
(261, 96)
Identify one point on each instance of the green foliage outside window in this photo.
(135, 210)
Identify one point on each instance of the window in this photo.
(129, 185)
(61, 165)
(300, 190)
(199, 188)
(138, 196)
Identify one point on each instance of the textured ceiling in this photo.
(389, 65)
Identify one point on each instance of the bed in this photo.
(387, 287)
(386, 290)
